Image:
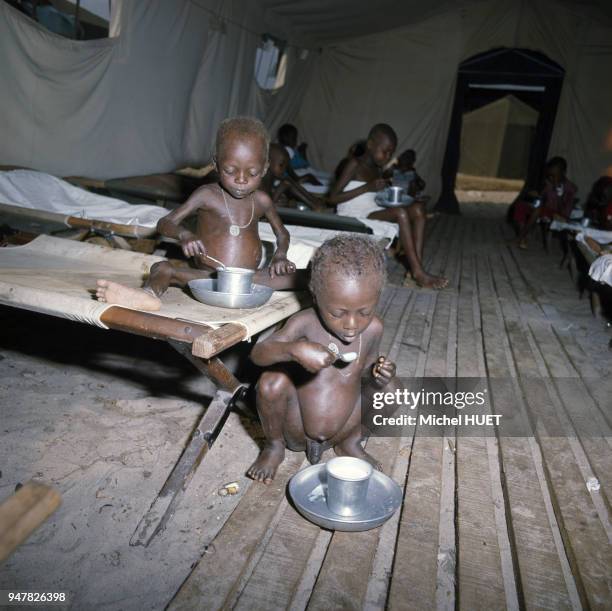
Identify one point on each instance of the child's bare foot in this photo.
(427, 281)
(139, 299)
(356, 451)
(264, 468)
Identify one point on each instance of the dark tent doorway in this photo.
(527, 75)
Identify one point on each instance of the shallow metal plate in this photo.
(309, 487)
(383, 202)
(204, 290)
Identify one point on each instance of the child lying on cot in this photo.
(227, 216)
(355, 191)
(308, 400)
(287, 186)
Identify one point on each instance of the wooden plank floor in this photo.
(494, 522)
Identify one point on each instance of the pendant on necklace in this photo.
(234, 230)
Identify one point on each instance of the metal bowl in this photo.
(205, 291)
(404, 200)
(308, 489)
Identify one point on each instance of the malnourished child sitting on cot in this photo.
(228, 213)
(309, 399)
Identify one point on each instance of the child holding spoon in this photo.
(310, 397)
(227, 234)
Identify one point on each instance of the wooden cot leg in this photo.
(212, 368)
(163, 507)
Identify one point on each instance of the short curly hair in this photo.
(408, 156)
(242, 126)
(286, 132)
(383, 129)
(350, 255)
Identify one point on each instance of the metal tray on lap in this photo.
(308, 488)
(383, 202)
(205, 290)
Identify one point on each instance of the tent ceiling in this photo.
(323, 22)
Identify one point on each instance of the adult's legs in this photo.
(400, 216)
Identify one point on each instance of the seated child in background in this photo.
(355, 192)
(299, 167)
(287, 187)
(227, 216)
(557, 199)
(405, 175)
(288, 137)
(308, 400)
(599, 203)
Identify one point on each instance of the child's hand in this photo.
(312, 356)
(383, 371)
(377, 185)
(192, 246)
(281, 266)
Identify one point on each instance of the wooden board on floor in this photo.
(501, 522)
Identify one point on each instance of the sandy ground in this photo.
(103, 416)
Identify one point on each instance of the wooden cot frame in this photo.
(200, 344)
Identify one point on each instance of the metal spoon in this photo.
(347, 357)
(223, 266)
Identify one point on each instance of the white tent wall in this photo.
(151, 98)
(225, 85)
(145, 101)
(406, 77)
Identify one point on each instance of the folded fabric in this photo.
(320, 175)
(40, 191)
(601, 269)
(361, 205)
(599, 235)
